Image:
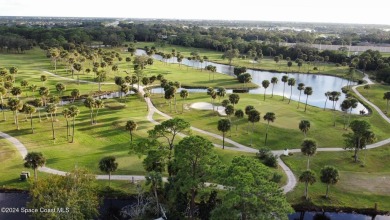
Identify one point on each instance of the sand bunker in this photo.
(208, 106)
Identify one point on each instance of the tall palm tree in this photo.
(291, 83)
(98, 105)
(386, 96)
(38, 103)
(234, 98)
(44, 92)
(108, 165)
(307, 177)
(301, 86)
(3, 92)
(60, 87)
(16, 91)
(66, 114)
(73, 112)
(24, 83)
(354, 103)
(131, 126)
(34, 160)
(329, 176)
(265, 84)
(90, 103)
(224, 126)
(239, 114)
(52, 109)
(304, 126)
(101, 76)
(274, 80)
(248, 108)
(269, 117)
(309, 148)
(15, 105)
(345, 106)
(327, 94)
(183, 94)
(334, 97)
(30, 110)
(43, 79)
(253, 116)
(308, 91)
(75, 94)
(221, 92)
(284, 80)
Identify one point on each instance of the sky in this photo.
(334, 11)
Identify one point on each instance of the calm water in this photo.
(112, 207)
(320, 83)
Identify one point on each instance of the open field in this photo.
(375, 95)
(359, 187)
(284, 132)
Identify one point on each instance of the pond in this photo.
(320, 83)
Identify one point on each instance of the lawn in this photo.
(375, 95)
(359, 186)
(283, 132)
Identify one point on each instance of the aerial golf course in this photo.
(359, 182)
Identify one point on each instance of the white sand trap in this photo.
(208, 106)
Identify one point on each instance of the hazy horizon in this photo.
(248, 10)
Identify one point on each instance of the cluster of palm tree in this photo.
(329, 174)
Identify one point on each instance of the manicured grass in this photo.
(359, 186)
(375, 95)
(267, 63)
(284, 132)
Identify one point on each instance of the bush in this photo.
(263, 153)
(276, 178)
(271, 161)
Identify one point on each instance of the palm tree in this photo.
(108, 165)
(73, 112)
(265, 84)
(38, 103)
(131, 126)
(253, 116)
(24, 83)
(67, 115)
(33, 88)
(284, 80)
(98, 105)
(354, 103)
(221, 92)
(327, 94)
(367, 87)
(224, 126)
(301, 86)
(89, 102)
(274, 80)
(308, 91)
(52, 109)
(75, 94)
(238, 114)
(248, 108)
(229, 110)
(334, 97)
(44, 92)
(30, 110)
(329, 176)
(386, 96)
(234, 98)
(345, 106)
(60, 87)
(291, 83)
(15, 105)
(183, 94)
(269, 117)
(304, 126)
(307, 177)
(34, 160)
(169, 95)
(309, 148)
(16, 91)
(43, 79)
(101, 77)
(3, 92)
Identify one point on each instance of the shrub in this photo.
(276, 178)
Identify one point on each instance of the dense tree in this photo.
(269, 117)
(224, 125)
(230, 55)
(309, 148)
(34, 160)
(245, 78)
(307, 177)
(108, 165)
(329, 176)
(250, 193)
(74, 196)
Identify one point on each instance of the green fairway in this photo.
(359, 187)
(284, 132)
(375, 95)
